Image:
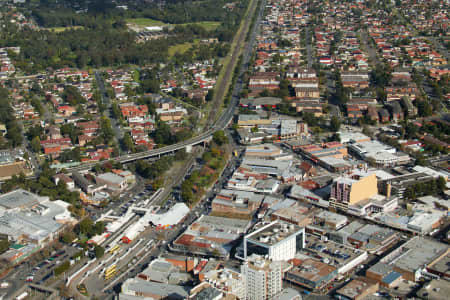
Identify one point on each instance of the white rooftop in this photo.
(171, 217)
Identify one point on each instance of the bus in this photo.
(22, 296)
(114, 249)
(110, 272)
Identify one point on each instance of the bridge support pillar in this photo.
(188, 148)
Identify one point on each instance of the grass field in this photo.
(145, 22)
(61, 29)
(208, 25)
(181, 48)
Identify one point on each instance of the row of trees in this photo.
(7, 117)
(425, 188)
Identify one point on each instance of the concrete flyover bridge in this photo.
(204, 137)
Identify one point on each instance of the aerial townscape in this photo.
(224, 149)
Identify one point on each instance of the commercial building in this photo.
(412, 258)
(259, 103)
(297, 214)
(274, 168)
(330, 219)
(171, 217)
(440, 267)
(19, 199)
(252, 120)
(373, 238)
(358, 289)
(263, 277)
(343, 258)
(278, 240)
(207, 293)
(264, 150)
(329, 155)
(86, 186)
(28, 218)
(384, 274)
(211, 235)
(299, 193)
(154, 290)
(163, 271)
(288, 294)
(341, 236)
(112, 181)
(378, 153)
(312, 274)
(425, 221)
(353, 137)
(435, 289)
(235, 201)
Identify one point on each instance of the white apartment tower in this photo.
(263, 277)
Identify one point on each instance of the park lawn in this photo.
(145, 22)
(181, 48)
(207, 25)
(61, 29)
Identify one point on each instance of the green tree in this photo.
(72, 95)
(4, 245)
(181, 154)
(85, 225)
(106, 129)
(65, 266)
(36, 144)
(186, 192)
(210, 95)
(220, 138)
(424, 108)
(72, 131)
(441, 184)
(99, 251)
(335, 124)
(150, 85)
(68, 237)
(127, 142)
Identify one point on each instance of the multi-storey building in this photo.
(350, 191)
(277, 240)
(263, 278)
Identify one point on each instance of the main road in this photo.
(224, 118)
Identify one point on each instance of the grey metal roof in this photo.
(19, 198)
(207, 294)
(134, 285)
(418, 253)
(287, 294)
(381, 268)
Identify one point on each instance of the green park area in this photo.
(145, 22)
(181, 48)
(61, 29)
